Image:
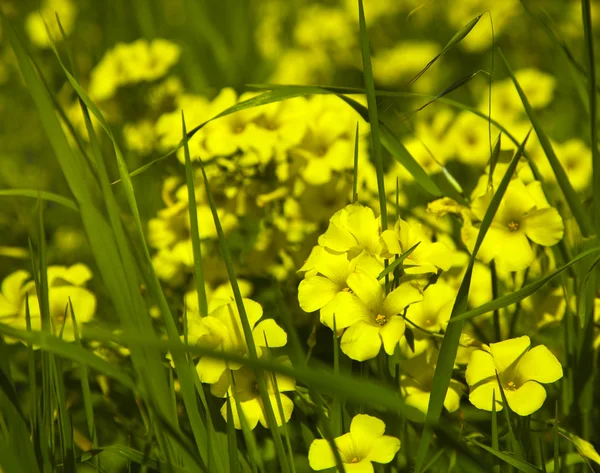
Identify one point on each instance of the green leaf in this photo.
(526, 291)
(44, 195)
(449, 347)
(561, 177)
(457, 38)
(355, 169)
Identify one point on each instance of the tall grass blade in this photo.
(398, 261)
(38, 194)
(372, 110)
(355, 169)
(449, 347)
(519, 464)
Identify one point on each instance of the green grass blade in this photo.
(262, 387)
(457, 38)
(520, 465)
(555, 440)
(398, 261)
(372, 110)
(44, 195)
(449, 347)
(526, 291)
(232, 448)
(516, 445)
(495, 443)
(561, 177)
(336, 415)
(586, 10)
(355, 169)
(195, 232)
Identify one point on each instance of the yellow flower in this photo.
(428, 257)
(402, 61)
(222, 330)
(216, 296)
(365, 443)
(139, 136)
(576, 158)
(64, 283)
(246, 391)
(329, 288)
(469, 136)
(353, 229)
(416, 382)
(523, 215)
(432, 314)
(372, 317)
(520, 370)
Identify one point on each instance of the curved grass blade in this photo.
(516, 296)
(44, 195)
(561, 177)
(520, 465)
(449, 347)
(457, 38)
(372, 111)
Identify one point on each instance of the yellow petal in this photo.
(527, 399)
(334, 266)
(390, 239)
(391, 333)
(539, 364)
(400, 298)
(367, 289)
(361, 341)
(250, 411)
(366, 428)
(268, 333)
(362, 466)
(514, 252)
(320, 455)
(315, 292)
(506, 353)
(481, 367)
(384, 450)
(347, 310)
(287, 406)
(317, 171)
(362, 224)
(78, 274)
(452, 399)
(481, 396)
(337, 238)
(544, 226)
(210, 369)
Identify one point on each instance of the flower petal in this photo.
(366, 427)
(544, 226)
(515, 252)
(481, 396)
(316, 292)
(362, 466)
(527, 399)
(391, 333)
(334, 266)
(347, 309)
(481, 367)
(539, 364)
(506, 353)
(367, 289)
(210, 369)
(361, 341)
(268, 333)
(337, 238)
(400, 298)
(384, 450)
(320, 455)
(390, 239)
(250, 410)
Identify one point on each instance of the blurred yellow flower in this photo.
(365, 443)
(523, 215)
(372, 317)
(245, 389)
(222, 330)
(403, 61)
(520, 370)
(416, 381)
(34, 24)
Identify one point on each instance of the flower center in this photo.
(355, 460)
(511, 385)
(347, 289)
(381, 319)
(428, 322)
(513, 225)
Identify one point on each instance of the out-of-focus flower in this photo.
(521, 372)
(245, 388)
(403, 61)
(365, 443)
(34, 24)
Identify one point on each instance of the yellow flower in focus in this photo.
(353, 229)
(428, 257)
(64, 284)
(327, 289)
(431, 314)
(34, 24)
(372, 317)
(521, 372)
(217, 296)
(365, 443)
(222, 330)
(416, 381)
(523, 215)
(245, 388)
